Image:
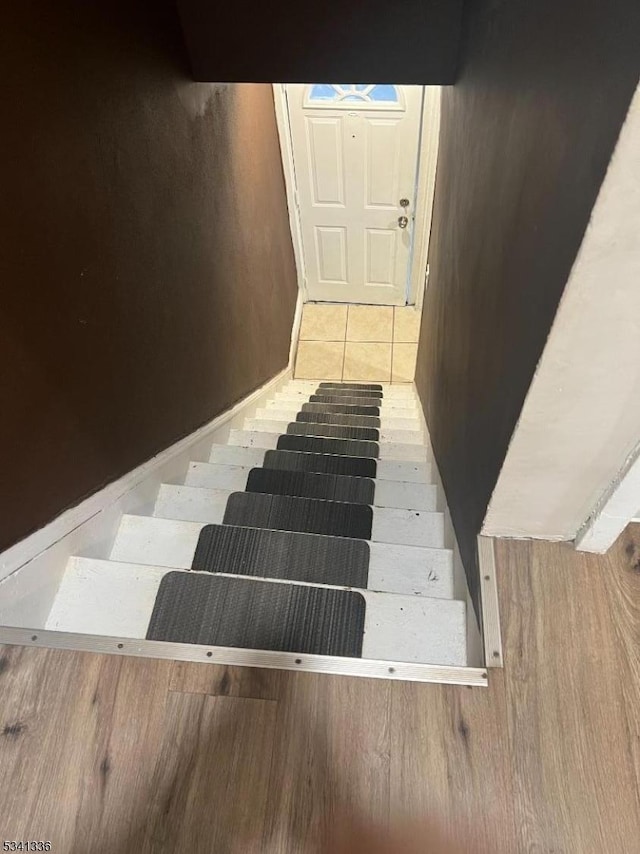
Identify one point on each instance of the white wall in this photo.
(581, 417)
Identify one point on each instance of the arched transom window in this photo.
(353, 95)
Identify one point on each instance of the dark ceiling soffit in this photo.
(372, 41)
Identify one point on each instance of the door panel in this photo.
(331, 249)
(354, 161)
(381, 157)
(326, 160)
(380, 252)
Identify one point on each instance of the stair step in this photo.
(117, 600)
(410, 496)
(330, 417)
(383, 451)
(295, 428)
(361, 400)
(171, 543)
(360, 490)
(386, 406)
(397, 470)
(251, 613)
(263, 553)
(336, 384)
(387, 391)
(303, 405)
(388, 525)
(321, 463)
(306, 515)
(347, 392)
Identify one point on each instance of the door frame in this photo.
(425, 188)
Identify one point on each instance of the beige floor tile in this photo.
(370, 323)
(406, 325)
(367, 362)
(404, 363)
(319, 360)
(323, 322)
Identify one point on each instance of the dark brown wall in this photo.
(526, 136)
(147, 272)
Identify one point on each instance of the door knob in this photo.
(403, 221)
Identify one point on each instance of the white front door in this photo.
(355, 153)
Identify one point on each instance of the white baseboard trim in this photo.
(31, 570)
(337, 665)
(295, 331)
(617, 507)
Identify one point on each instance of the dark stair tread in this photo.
(350, 392)
(310, 515)
(335, 431)
(345, 400)
(345, 409)
(369, 386)
(338, 419)
(341, 447)
(321, 463)
(331, 487)
(251, 614)
(313, 558)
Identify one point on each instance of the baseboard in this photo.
(295, 331)
(616, 508)
(30, 571)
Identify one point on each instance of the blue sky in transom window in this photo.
(362, 92)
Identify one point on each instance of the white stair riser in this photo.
(408, 471)
(393, 568)
(215, 476)
(235, 455)
(403, 495)
(409, 496)
(102, 597)
(269, 441)
(397, 470)
(390, 525)
(389, 421)
(408, 437)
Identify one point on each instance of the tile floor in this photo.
(358, 342)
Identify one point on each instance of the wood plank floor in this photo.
(109, 754)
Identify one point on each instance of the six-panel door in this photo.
(355, 151)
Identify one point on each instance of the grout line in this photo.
(344, 345)
(393, 341)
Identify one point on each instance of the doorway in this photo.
(359, 161)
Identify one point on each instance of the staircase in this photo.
(317, 529)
